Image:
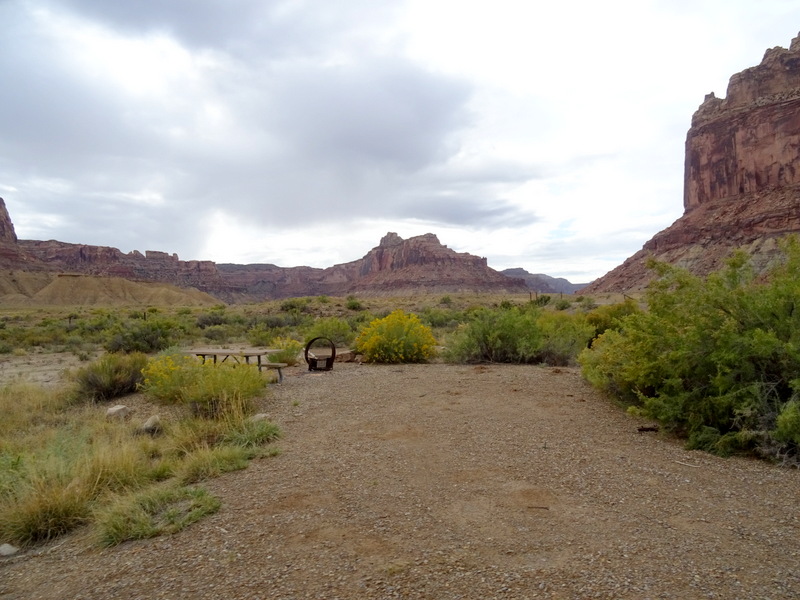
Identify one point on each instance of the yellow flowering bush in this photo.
(166, 376)
(396, 338)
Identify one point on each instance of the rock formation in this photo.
(741, 176)
(395, 267)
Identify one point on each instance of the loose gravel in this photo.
(444, 482)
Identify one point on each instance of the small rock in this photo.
(8, 550)
(152, 426)
(119, 412)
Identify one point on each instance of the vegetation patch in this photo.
(714, 359)
(397, 338)
(158, 511)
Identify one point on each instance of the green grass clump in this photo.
(396, 338)
(154, 512)
(111, 376)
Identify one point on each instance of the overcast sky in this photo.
(542, 135)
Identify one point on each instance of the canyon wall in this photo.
(741, 176)
(395, 267)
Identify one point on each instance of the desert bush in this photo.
(396, 338)
(607, 317)
(217, 333)
(289, 350)
(713, 359)
(335, 329)
(213, 390)
(491, 335)
(210, 318)
(145, 336)
(563, 337)
(562, 304)
(110, 376)
(519, 335)
(260, 335)
(441, 317)
(353, 303)
(542, 300)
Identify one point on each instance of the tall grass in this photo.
(61, 464)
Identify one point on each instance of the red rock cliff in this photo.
(741, 176)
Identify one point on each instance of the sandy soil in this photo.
(443, 481)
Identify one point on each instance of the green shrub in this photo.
(396, 338)
(145, 336)
(542, 300)
(505, 336)
(211, 318)
(519, 335)
(714, 359)
(111, 376)
(289, 350)
(788, 423)
(610, 316)
(562, 304)
(441, 317)
(563, 337)
(335, 329)
(353, 303)
(217, 333)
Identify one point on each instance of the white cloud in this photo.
(547, 136)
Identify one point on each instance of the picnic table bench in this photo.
(237, 356)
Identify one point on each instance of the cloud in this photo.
(266, 128)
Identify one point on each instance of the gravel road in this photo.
(443, 482)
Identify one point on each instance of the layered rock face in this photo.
(741, 176)
(11, 255)
(394, 267)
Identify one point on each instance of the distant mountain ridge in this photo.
(544, 283)
(395, 267)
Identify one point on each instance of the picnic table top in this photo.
(233, 351)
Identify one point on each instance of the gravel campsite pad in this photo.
(450, 481)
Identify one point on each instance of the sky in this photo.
(542, 135)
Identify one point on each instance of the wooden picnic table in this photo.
(236, 355)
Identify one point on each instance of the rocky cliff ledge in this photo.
(741, 176)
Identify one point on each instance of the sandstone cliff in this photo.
(741, 176)
(395, 267)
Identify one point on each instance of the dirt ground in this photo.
(443, 482)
